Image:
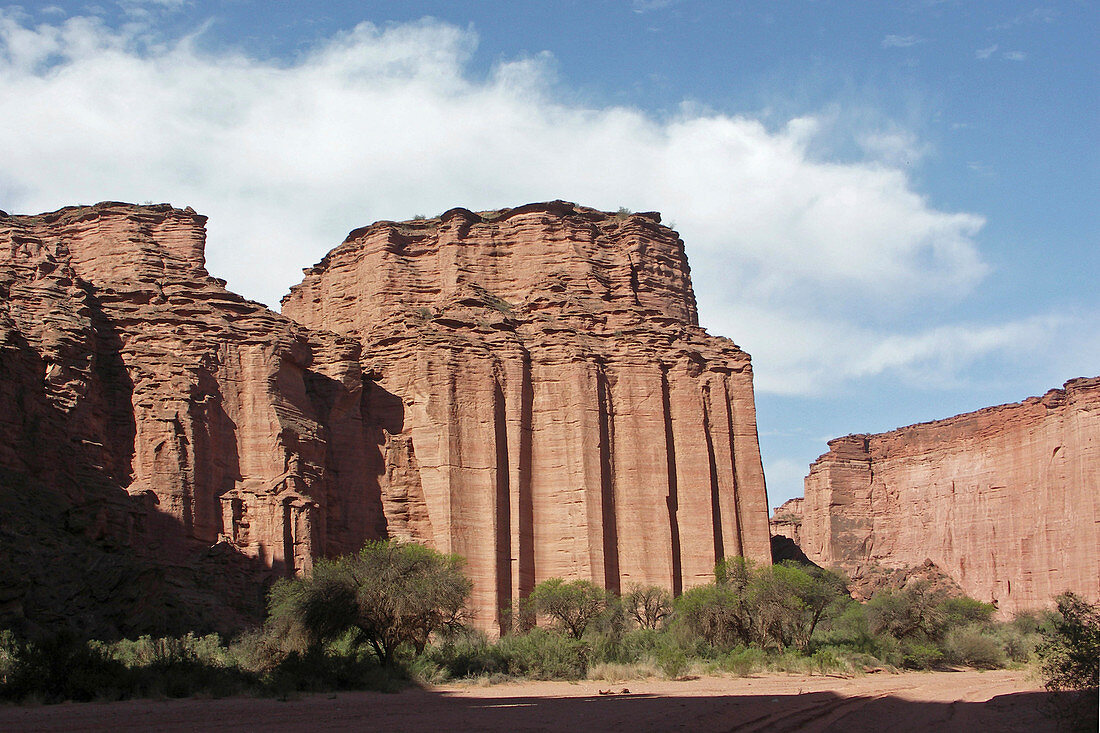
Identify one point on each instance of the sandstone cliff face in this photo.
(541, 399)
(1005, 500)
(162, 414)
(528, 388)
(786, 520)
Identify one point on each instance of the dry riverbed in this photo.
(1002, 700)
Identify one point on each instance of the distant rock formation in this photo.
(543, 400)
(1005, 500)
(535, 394)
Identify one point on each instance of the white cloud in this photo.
(809, 354)
(895, 41)
(784, 479)
(984, 53)
(789, 251)
(1015, 55)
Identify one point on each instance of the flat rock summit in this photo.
(529, 388)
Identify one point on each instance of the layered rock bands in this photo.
(1005, 500)
(528, 388)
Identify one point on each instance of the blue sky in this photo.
(891, 206)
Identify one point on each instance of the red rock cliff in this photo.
(129, 374)
(542, 399)
(1005, 500)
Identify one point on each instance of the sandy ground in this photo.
(941, 701)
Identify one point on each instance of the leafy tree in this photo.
(910, 613)
(573, 605)
(1070, 651)
(718, 613)
(649, 605)
(790, 601)
(389, 594)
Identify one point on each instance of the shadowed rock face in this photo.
(542, 399)
(1005, 500)
(162, 414)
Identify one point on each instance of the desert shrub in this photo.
(630, 647)
(147, 651)
(789, 602)
(962, 611)
(914, 612)
(9, 650)
(544, 655)
(1017, 645)
(573, 605)
(390, 593)
(743, 661)
(468, 654)
(969, 645)
(917, 654)
(1070, 650)
(850, 628)
(59, 667)
(649, 606)
(717, 613)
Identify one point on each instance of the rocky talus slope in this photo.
(542, 399)
(1005, 500)
(528, 388)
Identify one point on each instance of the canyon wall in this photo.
(542, 399)
(1005, 500)
(161, 415)
(528, 388)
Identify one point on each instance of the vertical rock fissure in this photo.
(607, 482)
(715, 505)
(738, 532)
(673, 498)
(502, 508)
(526, 530)
(288, 538)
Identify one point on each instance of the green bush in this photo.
(914, 612)
(672, 661)
(964, 611)
(390, 593)
(572, 605)
(544, 655)
(971, 646)
(743, 661)
(469, 654)
(59, 667)
(718, 613)
(1070, 651)
(920, 654)
(649, 606)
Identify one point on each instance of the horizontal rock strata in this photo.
(542, 399)
(1005, 500)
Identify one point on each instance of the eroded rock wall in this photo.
(542, 400)
(1005, 500)
(163, 414)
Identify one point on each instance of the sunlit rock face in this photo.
(528, 388)
(1005, 500)
(541, 399)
